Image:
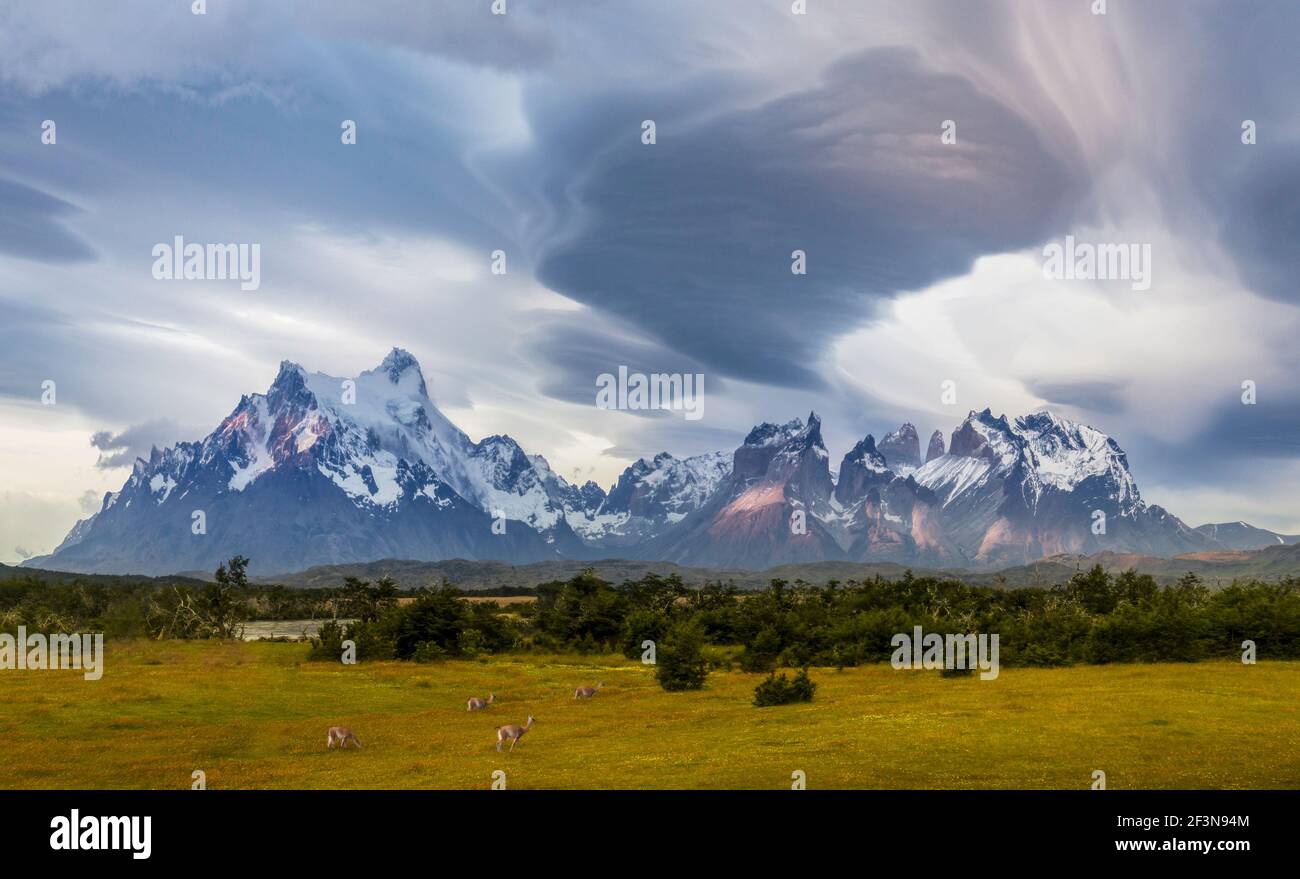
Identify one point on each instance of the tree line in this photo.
(1095, 617)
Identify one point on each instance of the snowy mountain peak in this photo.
(814, 431)
(398, 360)
(982, 435)
(1038, 482)
(649, 496)
(287, 368)
(862, 468)
(866, 453)
(902, 448)
(398, 365)
(382, 441)
(1050, 450)
(769, 434)
(1063, 453)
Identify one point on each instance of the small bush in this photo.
(719, 658)
(370, 644)
(642, 626)
(760, 654)
(783, 691)
(680, 664)
(471, 643)
(328, 643)
(428, 651)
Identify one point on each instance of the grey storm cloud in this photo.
(122, 448)
(1238, 441)
(691, 238)
(30, 226)
(1247, 71)
(575, 351)
(93, 357)
(1270, 428)
(1262, 222)
(1103, 397)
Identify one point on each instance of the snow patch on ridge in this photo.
(251, 426)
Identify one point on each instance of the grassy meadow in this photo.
(254, 715)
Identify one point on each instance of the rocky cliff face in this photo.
(1011, 492)
(935, 449)
(902, 448)
(769, 511)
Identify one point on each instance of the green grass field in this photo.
(254, 716)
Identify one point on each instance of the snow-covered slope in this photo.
(1011, 492)
(322, 470)
(650, 496)
(388, 416)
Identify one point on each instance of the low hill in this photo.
(12, 572)
(498, 575)
(1216, 568)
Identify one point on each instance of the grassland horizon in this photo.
(254, 715)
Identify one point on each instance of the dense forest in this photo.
(1095, 617)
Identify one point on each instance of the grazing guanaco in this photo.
(340, 735)
(586, 692)
(513, 732)
(477, 704)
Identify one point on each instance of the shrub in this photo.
(471, 643)
(760, 654)
(370, 644)
(328, 643)
(719, 658)
(783, 691)
(428, 651)
(680, 664)
(642, 625)
(437, 616)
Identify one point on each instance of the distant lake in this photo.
(297, 630)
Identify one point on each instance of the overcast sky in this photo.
(774, 132)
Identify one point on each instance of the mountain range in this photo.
(326, 471)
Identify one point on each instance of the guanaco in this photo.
(513, 732)
(586, 692)
(340, 735)
(477, 704)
